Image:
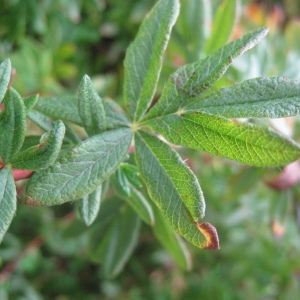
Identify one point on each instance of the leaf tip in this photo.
(211, 235)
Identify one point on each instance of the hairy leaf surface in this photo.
(265, 97)
(244, 142)
(192, 80)
(80, 170)
(8, 200)
(45, 153)
(172, 186)
(12, 125)
(143, 59)
(5, 71)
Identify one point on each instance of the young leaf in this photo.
(244, 142)
(141, 206)
(143, 59)
(88, 207)
(90, 108)
(170, 240)
(30, 102)
(5, 71)
(8, 200)
(222, 26)
(80, 170)
(121, 183)
(12, 125)
(43, 155)
(192, 80)
(119, 241)
(172, 186)
(265, 97)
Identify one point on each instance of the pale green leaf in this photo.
(5, 71)
(30, 102)
(171, 240)
(143, 59)
(172, 186)
(88, 207)
(45, 153)
(141, 206)
(265, 97)
(80, 170)
(12, 125)
(192, 80)
(90, 108)
(39, 119)
(8, 200)
(244, 142)
(222, 26)
(119, 241)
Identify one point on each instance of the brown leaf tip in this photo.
(32, 202)
(211, 235)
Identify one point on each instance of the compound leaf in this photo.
(143, 59)
(80, 170)
(244, 142)
(8, 200)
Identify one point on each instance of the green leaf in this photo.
(172, 186)
(80, 170)
(192, 27)
(12, 125)
(121, 183)
(171, 241)
(39, 119)
(30, 102)
(66, 108)
(88, 207)
(5, 71)
(222, 26)
(192, 80)
(265, 97)
(143, 59)
(8, 200)
(119, 241)
(131, 173)
(43, 155)
(244, 142)
(141, 206)
(90, 108)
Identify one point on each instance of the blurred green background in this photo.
(52, 44)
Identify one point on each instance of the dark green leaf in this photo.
(8, 200)
(80, 170)
(143, 60)
(5, 71)
(222, 26)
(244, 142)
(88, 207)
(265, 97)
(193, 79)
(43, 155)
(172, 186)
(90, 108)
(12, 125)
